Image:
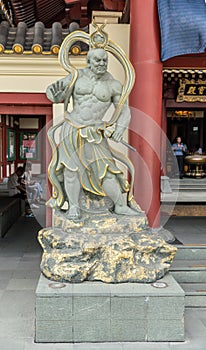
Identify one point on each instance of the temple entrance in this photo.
(24, 119)
(23, 139)
(190, 125)
(189, 192)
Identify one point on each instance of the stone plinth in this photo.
(165, 185)
(100, 312)
(104, 247)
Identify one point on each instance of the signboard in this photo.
(28, 145)
(192, 90)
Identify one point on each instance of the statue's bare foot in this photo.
(124, 210)
(74, 213)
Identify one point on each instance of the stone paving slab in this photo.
(12, 344)
(9, 264)
(15, 304)
(6, 274)
(21, 284)
(3, 284)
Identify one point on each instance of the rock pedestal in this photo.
(104, 247)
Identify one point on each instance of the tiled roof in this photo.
(38, 39)
(174, 74)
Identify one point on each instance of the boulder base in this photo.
(105, 247)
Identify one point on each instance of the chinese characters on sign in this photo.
(192, 90)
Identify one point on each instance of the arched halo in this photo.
(98, 39)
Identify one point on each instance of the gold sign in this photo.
(192, 90)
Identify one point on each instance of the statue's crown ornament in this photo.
(99, 38)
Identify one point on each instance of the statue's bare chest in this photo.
(92, 88)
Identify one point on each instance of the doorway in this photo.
(190, 125)
(22, 139)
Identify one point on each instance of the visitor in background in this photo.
(198, 150)
(179, 150)
(32, 186)
(17, 190)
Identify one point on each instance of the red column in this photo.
(146, 103)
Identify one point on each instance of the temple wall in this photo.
(33, 73)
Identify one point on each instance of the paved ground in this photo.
(20, 256)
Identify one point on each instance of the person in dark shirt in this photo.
(179, 149)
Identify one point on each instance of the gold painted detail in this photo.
(37, 48)
(75, 50)
(55, 49)
(18, 48)
(1, 48)
(29, 52)
(191, 90)
(102, 222)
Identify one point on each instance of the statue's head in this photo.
(97, 60)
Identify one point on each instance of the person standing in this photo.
(179, 149)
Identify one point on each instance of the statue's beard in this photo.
(98, 70)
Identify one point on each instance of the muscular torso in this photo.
(92, 97)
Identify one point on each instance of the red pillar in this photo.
(146, 103)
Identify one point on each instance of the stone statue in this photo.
(111, 244)
(85, 159)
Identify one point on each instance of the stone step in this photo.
(183, 196)
(188, 188)
(189, 271)
(190, 276)
(188, 180)
(185, 184)
(195, 294)
(191, 252)
(188, 264)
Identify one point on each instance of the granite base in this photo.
(100, 312)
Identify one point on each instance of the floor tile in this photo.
(21, 284)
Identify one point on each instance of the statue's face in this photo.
(98, 62)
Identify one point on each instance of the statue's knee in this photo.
(70, 176)
(109, 176)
